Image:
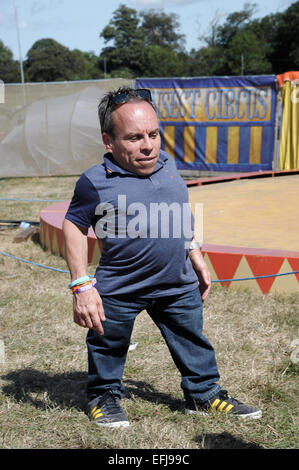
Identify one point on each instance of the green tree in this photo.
(87, 66)
(265, 30)
(235, 47)
(144, 44)
(202, 62)
(123, 28)
(162, 62)
(49, 61)
(160, 29)
(245, 56)
(234, 23)
(126, 51)
(284, 54)
(9, 68)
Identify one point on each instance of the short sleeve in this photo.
(81, 210)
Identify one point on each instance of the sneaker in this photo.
(223, 402)
(106, 411)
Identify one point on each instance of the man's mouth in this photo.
(146, 160)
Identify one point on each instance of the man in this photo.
(147, 262)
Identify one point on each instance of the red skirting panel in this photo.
(51, 220)
(238, 264)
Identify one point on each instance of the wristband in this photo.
(79, 281)
(83, 288)
(89, 284)
(80, 285)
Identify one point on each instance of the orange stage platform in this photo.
(250, 229)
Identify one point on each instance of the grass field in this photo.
(43, 377)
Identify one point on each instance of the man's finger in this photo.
(101, 312)
(95, 321)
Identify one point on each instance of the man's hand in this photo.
(88, 310)
(202, 271)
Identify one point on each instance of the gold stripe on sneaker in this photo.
(221, 406)
(228, 408)
(215, 403)
(96, 412)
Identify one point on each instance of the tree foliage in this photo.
(250, 46)
(149, 43)
(285, 47)
(47, 60)
(160, 29)
(9, 68)
(137, 39)
(238, 45)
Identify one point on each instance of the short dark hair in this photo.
(107, 106)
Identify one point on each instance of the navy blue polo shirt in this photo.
(144, 224)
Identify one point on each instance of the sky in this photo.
(77, 24)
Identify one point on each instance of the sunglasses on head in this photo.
(121, 98)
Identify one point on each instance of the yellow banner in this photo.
(217, 104)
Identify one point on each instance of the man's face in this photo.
(136, 142)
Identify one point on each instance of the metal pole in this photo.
(20, 51)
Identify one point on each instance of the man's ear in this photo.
(107, 141)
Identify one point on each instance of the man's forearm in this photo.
(75, 249)
(87, 305)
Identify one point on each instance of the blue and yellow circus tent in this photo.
(216, 123)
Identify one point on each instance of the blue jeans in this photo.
(179, 318)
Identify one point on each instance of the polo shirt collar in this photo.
(112, 166)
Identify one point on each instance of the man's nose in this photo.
(147, 144)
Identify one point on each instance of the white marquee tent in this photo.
(51, 129)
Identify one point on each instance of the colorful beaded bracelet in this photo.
(83, 288)
(79, 281)
(74, 288)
